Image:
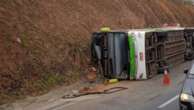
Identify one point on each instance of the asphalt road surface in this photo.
(168, 101)
(141, 95)
(123, 101)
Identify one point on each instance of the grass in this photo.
(24, 40)
(40, 86)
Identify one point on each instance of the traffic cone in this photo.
(166, 78)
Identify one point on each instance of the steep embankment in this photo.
(46, 42)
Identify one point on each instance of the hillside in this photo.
(46, 42)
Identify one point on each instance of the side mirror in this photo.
(186, 71)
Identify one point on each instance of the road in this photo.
(140, 95)
(167, 101)
(164, 101)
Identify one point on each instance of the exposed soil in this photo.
(46, 42)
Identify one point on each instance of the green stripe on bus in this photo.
(132, 65)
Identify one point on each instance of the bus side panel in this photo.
(138, 61)
(132, 62)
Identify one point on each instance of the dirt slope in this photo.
(46, 42)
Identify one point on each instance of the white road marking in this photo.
(168, 102)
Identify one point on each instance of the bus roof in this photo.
(163, 29)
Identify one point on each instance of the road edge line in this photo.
(168, 102)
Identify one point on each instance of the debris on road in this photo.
(111, 81)
(91, 75)
(98, 89)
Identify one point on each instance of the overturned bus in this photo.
(137, 54)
